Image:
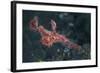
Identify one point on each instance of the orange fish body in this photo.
(48, 38)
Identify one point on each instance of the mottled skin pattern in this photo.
(48, 38)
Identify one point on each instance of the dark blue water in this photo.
(76, 26)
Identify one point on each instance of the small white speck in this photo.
(71, 24)
(58, 50)
(66, 50)
(32, 54)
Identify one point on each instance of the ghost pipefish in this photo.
(48, 38)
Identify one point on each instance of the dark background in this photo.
(76, 26)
